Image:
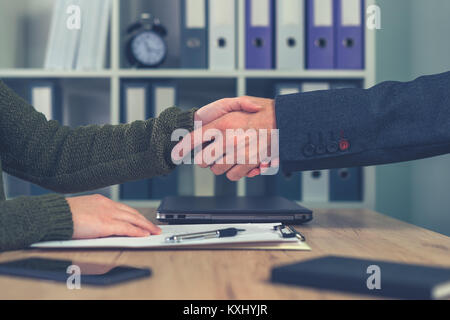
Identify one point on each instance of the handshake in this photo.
(234, 136)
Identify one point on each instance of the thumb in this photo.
(247, 105)
(219, 108)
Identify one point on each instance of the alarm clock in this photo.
(146, 47)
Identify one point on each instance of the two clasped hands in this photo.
(233, 136)
(97, 216)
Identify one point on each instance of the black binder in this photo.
(396, 280)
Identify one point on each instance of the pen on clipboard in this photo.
(222, 233)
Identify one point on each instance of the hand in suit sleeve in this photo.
(390, 122)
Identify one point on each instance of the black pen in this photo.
(229, 232)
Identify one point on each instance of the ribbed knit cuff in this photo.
(185, 119)
(27, 220)
(55, 217)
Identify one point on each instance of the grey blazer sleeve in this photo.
(390, 122)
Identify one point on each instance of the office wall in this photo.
(417, 191)
(12, 56)
(430, 53)
(24, 31)
(393, 192)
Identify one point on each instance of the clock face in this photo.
(148, 48)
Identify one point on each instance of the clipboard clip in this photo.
(288, 232)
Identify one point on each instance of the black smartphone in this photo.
(72, 272)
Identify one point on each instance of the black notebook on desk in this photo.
(232, 210)
(396, 280)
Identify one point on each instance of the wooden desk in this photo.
(228, 274)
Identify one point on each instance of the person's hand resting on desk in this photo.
(96, 216)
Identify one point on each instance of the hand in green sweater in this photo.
(73, 160)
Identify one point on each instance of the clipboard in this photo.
(265, 236)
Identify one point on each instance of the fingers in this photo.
(213, 112)
(246, 104)
(124, 207)
(121, 228)
(219, 169)
(238, 172)
(133, 216)
(212, 153)
(218, 108)
(239, 151)
(252, 164)
(264, 167)
(137, 221)
(253, 173)
(195, 140)
(96, 216)
(241, 104)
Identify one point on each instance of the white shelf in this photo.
(184, 73)
(306, 74)
(176, 73)
(43, 73)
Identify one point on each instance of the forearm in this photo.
(27, 220)
(72, 160)
(390, 122)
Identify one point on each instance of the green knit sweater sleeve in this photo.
(26, 220)
(86, 158)
(69, 160)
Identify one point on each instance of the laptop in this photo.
(191, 210)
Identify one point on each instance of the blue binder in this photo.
(163, 95)
(194, 35)
(259, 34)
(134, 93)
(50, 106)
(319, 34)
(349, 18)
(346, 184)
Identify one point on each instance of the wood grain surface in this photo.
(241, 274)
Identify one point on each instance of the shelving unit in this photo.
(37, 17)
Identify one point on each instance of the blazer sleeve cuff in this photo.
(317, 129)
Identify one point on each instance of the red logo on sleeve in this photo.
(344, 145)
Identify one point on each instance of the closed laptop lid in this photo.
(230, 205)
